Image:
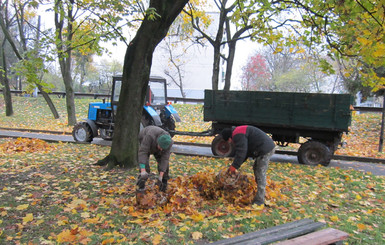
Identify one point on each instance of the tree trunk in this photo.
(136, 73)
(4, 81)
(217, 48)
(70, 97)
(216, 67)
(65, 53)
(7, 96)
(49, 102)
(229, 64)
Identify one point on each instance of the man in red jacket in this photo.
(250, 141)
(154, 140)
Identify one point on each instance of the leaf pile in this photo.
(186, 193)
(26, 145)
(189, 193)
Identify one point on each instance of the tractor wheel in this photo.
(169, 124)
(147, 121)
(314, 153)
(82, 132)
(104, 134)
(219, 147)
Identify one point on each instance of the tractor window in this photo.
(157, 93)
(118, 86)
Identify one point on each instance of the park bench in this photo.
(305, 231)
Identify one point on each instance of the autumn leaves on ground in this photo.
(52, 193)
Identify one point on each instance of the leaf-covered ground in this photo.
(52, 193)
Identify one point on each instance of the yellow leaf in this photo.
(92, 221)
(197, 217)
(40, 221)
(65, 236)
(62, 222)
(184, 228)
(358, 197)
(108, 241)
(28, 218)
(196, 235)
(363, 41)
(157, 239)
(334, 218)
(22, 207)
(361, 226)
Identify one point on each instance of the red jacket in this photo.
(250, 141)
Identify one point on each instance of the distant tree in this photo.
(255, 74)
(176, 62)
(81, 25)
(27, 46)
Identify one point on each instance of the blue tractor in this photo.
(101, 115)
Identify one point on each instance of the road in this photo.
(343, 162)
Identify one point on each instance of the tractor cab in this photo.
(101, 115)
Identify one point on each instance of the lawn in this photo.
(52, 193)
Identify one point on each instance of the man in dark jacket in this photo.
(154, 140)
(250, 141)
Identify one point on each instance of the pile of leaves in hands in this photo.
(191, 192)
(25, 145)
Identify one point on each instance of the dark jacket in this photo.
(250, 141)
(148, 145)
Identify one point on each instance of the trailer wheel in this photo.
(314, 153)
(219, 147)
(82, 132)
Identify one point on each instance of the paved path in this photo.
(338, 161)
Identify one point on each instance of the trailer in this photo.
(316, 121)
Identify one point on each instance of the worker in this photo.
(154, 140)
(250, 141)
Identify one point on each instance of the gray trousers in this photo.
(260, 168)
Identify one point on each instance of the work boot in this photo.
(163, 186)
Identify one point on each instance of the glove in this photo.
(231, 169)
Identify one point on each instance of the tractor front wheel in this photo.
(220, 147)
(82, 132)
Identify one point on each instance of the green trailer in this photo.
(319, 120)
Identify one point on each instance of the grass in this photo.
(52, 193)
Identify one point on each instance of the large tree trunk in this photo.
(136, 73)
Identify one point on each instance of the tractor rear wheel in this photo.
(82, 132)
(314, 153)
(220, 147)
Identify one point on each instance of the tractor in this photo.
(101, 115)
